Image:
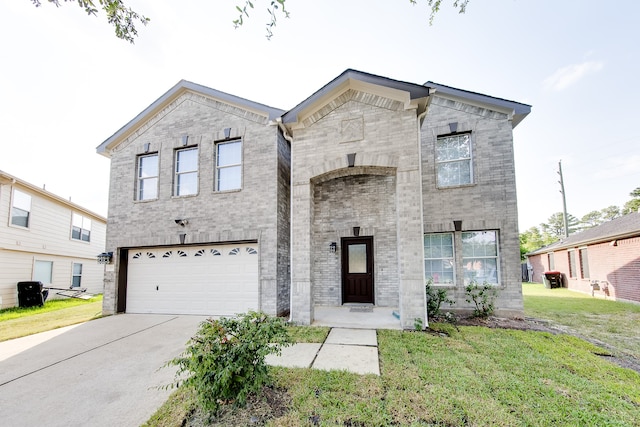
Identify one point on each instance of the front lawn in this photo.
(616, 324)
(22, 321)
(475, 376)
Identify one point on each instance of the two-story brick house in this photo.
(46, 238)
(355, 196)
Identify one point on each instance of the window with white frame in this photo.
(20, 209)
(80, 228)
(480, 257)
(584, 263)
(43, 272)
(186, 169)
(229, 165)
(147, 177)
(453, 160)
(439, 259)
(76, 278)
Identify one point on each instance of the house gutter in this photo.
(289, 138)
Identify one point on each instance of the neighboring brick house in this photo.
(46, 238)
(356, 195)
(607, 256)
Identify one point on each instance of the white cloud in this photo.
(566, 76)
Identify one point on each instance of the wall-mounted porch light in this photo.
(356, 231)
(333, 247)
(457, 225)
(105, 258)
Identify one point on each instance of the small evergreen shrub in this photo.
(435, 298)
(483, 297)
(224, 360)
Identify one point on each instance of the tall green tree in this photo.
(534, 239)
(611, 212)
(125, 19)
(555, 225)
(632, 205)
(591, 219)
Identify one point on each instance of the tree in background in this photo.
(125, 19)
(555, 225)
(632, 205)
(534, 239)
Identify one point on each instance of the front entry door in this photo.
(357, 270)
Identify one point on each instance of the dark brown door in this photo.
(357, 270)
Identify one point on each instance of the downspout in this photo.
(419, 122)
(289, 138)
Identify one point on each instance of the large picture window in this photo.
(20, 209)
(438, 258)
(80, 228)
(147, 177)
(186, 180)
(480, 257)
(453, 160)
(229, 165)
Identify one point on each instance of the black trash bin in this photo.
(31, 294)
(554, 279)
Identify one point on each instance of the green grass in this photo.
(476, 376)
(19, 322)
(611, 322)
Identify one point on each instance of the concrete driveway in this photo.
(106, 372)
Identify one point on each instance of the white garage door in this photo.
(207, 280)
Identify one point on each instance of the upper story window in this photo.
(439, 259)
(147, 177)
(229, 165)
(80, 228)
(453, 160)
(480, 256)
(186, 179)
(20, 209)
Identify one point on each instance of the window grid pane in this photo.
(229, 166)
(20, 209)
(439, 258)
(480, 257)
(148, 177)
(186, 181)
(453, 159)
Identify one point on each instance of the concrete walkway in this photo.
(353, 350)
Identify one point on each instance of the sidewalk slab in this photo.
(352, 358)
(345, 336)
(296, 356)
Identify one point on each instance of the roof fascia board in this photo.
(515, 110)
(171, 95)
(7, 179)
(582, 243)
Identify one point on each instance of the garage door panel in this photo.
(198, 282)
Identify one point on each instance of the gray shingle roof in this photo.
(622, 227)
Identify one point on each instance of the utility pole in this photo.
(564, 201)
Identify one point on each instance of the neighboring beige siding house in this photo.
(358, 195)
(46, 238)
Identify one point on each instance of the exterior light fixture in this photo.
(105, 258)
(333, 247)
(457, 225)
(356, 231)
(183, 236)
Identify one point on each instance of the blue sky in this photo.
(67, 83)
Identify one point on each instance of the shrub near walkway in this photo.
(475, 376)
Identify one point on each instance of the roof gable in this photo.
(182, 87)
(410, 95)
